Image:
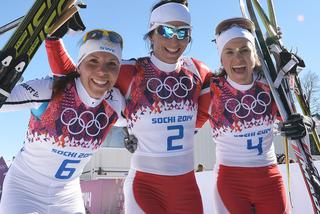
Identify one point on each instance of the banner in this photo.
(3, 171)
(103, 196)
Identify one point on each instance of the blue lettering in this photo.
(170, 139)
(154, 120)
(163, 120)
(65, 172)
(65, 153)
(263, 131)
(184, 118)
(84, 155)
(258, 146)
(70, 154)
(250, 134)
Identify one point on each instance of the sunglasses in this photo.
(244, 26)
(103, 34)
(168, 31)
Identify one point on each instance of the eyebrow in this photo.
(93, 56)
(97, 57)
(245, 46)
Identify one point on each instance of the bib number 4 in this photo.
(250, 145)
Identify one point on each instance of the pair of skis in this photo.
(44, 18)
(280, 68)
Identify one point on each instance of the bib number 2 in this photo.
(170, 140)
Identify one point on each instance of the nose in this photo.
(174, 41)
(103, 70)
(238, 56)
(175, 37)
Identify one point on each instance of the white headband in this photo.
(102, 45)
(232, 33)
(167, 13)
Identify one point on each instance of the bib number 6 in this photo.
(65, 172)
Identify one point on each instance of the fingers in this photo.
(131, 143)
(294, 128)
(76, 23)
(295, 133)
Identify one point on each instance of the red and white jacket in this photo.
(64, 131)
(241, 118)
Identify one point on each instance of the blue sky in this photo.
(297, 18)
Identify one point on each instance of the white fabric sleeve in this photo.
(28, 95)
(116, 100)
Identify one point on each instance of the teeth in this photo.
(100, 82)
(172, 50)
(238, 66)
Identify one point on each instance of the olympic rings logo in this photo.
(248, 104)
(169, 86)
(85, 121)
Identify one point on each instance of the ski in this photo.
(25, 41)
(282, 90)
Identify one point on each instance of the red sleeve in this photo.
(204, 102)
(203, 116)
(204, 98)
(204, 72)
(59, 59)
(126, 75)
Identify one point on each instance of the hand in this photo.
(297, 126)
(286, 56)
(130, 141)
(74, 23)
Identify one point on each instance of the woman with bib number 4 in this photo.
(242, 112)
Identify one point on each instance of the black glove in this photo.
(297, 126)
(281, 158)
(286, 56)
(130, 141)
(75, 23)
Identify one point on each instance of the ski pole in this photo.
(10, 25)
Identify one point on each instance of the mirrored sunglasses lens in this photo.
(165, 31)
(115, 38)
(99, 34)
(96, 34)
(182, 34)
(168, 31)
